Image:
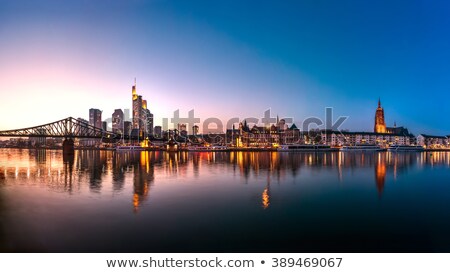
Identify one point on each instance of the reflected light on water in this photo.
(110, 171)
(266, 198)
(153, 201)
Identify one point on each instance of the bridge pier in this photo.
(68, 147)
(68, 159)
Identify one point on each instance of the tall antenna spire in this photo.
(379, 102)
(133, 90)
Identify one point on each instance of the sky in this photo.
(227, 59)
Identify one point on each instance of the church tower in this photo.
(380, 125)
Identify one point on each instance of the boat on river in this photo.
(305, 148)
(129, 148)
(406, 148)
(362, 147)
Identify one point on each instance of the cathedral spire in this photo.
(380, 124)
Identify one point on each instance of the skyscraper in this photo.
(127, 128)
(117, 121)
(95, 117)
(380, 124)
(149, 125)
(195, 130)
(142, 117)
(147, 118)
(137, 107)
(158, 131)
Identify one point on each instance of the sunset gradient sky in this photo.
(227, 59)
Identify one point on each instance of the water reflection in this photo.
(223, 202)
(143, 177)
(3, 236)
(266, 196)
(69, 162)
(111, 170)
(94, 163)
(380, 173)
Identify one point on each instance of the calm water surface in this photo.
(105, 201)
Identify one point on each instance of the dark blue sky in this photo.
(235, 58)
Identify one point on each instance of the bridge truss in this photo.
(67, 128)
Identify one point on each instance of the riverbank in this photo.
(230, 149)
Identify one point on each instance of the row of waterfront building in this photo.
(141, 127)
(281, 134)
(266, 137)
(382, 136)
(273, 136)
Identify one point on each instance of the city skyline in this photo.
(73, 57)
